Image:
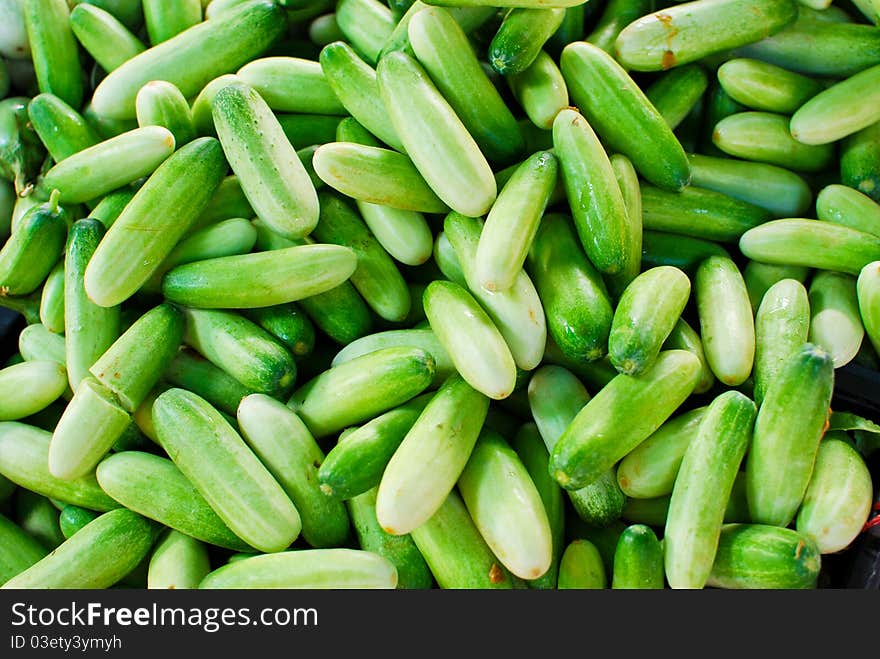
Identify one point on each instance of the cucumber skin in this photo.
(638, 560)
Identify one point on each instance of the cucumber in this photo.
(213, 456)
(683, 337)
(677, 93)
(789, 426)
(811, 244)
(89, 329)
(356, 463)
(778, 191)
(541, 90)
(103, 36)
(54, 49)
(653, 511)
(367, 24)
(645, 315)
(416, 338)
(835, 322)
(289, 324)
(522, 34)
(506, 507)
(169, 202)
(599, 214)
(638, 560)
(683, 252)
(401, 550)
(860, 161)
(429, 461)
(192, 58)
(762, 86)
(291, 84)
(471, 339)
(838, 499)
(649, 470)
(436, 140)
(443, 49)
(178, 562)
(159, 103)
(111, 206)
(699, 213)
(29, 387)
(404, 234)
(630, 188)
(28, 257)
(38, 517)
(581, 567)
(617, 15)
(19, 552)
(868, 291)
(756, 556)
(155, 488)
(727, 326)
(532, 452)
(702, 488)
(691, 31)
(163, 21)
(61, 128)
(765, 137)
(190, 371)
(132, 366)
(843, 205)
(261, 279)
(13, 35)
(98, 556)
(822, 119)
(52, 300)
(456, 552)
(21, 151)
(517, 311)
(759, 277)
(285, 446)
(576, 303)
(244, 350)
(306, 568)
(37, 342)
(782, 325)
(608, 428)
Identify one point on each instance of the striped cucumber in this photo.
(288, 323)
(417, 338)
(860, 161)
(702, 488)
(789, 426)
(522, 34)
(835, 322)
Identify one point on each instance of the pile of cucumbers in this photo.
(466, 294)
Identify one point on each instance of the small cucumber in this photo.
(19, 550)
(367, 24)
(638, 560)
(843, 205)
(790, 423)
(683, 337)
(860, 161)
(835, 322)
(702, 488)
(54, 49)
(762, 86)
(29, 387)
(61, 128)
(190, 371)
(759, 277)
(416, 338)
(683, 252)
(676, 93)
(52, 300)
(522, 34)
(29, 255)
(178, 562)
(288, 323)
(630, 188)
(540, 90)
(37, 342)
(159, 103)
(617, 14)
(581, 567)
(103, 36)
(291, 84)
(164, 20)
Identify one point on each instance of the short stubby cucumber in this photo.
(638, 560)
(29, 387)
(843, 205)
(581, 567)
(835, 321)
(159, 103)
(763, 86)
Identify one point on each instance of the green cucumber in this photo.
(163, 21)
(19, 552)
(356, 463)
(575, 300)
(289, 324)
(812, 244)
(306, 568)
(471, 339)
(683, 252)
(835, 322)
(29, 387)
(443, 49)
(653, 512)
(52, 300)
(541, 90)
(103, 36)
(683, 337)
(28, 257)
(286, 447)
(790, 424)
(177, 562)
(702, 488)
(630, 188)
(436, 140)
(111, 206)
(860, 161)
(638, 560)
(38, 517)
(756, 556)
(324, 30)
(169, 202)
(155, 488)
(868, 291)
(617, 14)
(97, 556)
(608, 427)
(675, 94)
(522, 34)
(843, 205)
(759, 277)
(412, 570)
(699, 213)
(649, 470)
(762, 86)
(192, 58)
(271, 174)
(21, 151)
(782, 325)
(689, 32)
(765, 137)
(455, 551)
(244, 350)
(404, 234)
(61, 128)
(416, 338)
(214, 457)
(291, 84)
(54, 49)
(304, 130)
(367, 24)
(194, 373)
(778, 191)
(37, 342)
(159, 103)
(13, 36)
(727, 326)
(594, 196)
(429, 461)
(581, 567)
(358, 390)
(648, 309)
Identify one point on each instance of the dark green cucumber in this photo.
(860, 161)
(191, 371)
(73, 518)
(288, 323)
(677, 93)
(34, 248)
(61, 128)
(617, 14)
(522, 34)
(54, 49)
(638, 560)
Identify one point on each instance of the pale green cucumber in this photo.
(159, 103)
(103, 36)
(843, 205)
(29, 387)
(178, 562)
(540, 90)
(835, 322)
